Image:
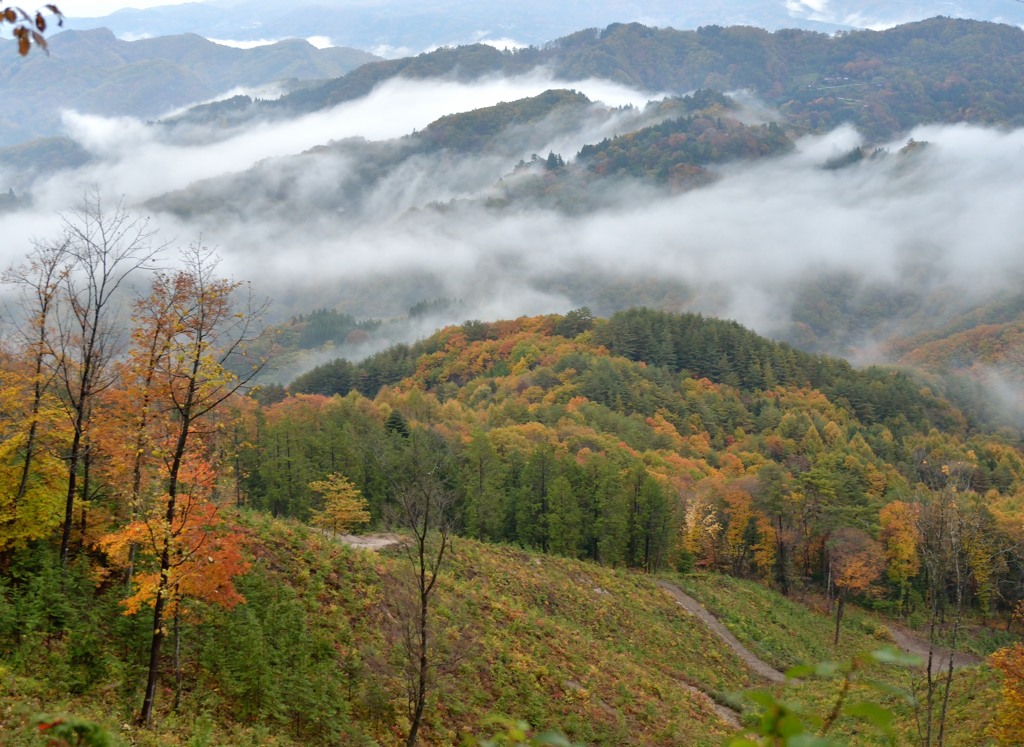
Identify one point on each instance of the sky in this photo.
(94, 8)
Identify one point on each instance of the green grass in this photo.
(602, 654)
(785, 633)
(781, 631)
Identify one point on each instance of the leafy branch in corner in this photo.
(782, 723)
(28, 29)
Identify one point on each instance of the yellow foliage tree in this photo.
(30, 499)
(701, 529)
(765, 549)
(1008, 727)
(899, 534)
(344, 505)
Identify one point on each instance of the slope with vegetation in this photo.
(143, 560)
(311, 655)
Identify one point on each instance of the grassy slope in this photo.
(786, 633)
(600, 653)
(597, 651)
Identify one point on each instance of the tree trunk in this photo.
(177, 658)
(163, 588)
(839, 614)
(421, 683)
(781, 552)
(69, 502)
(930, 693)
(960, 583)
(146, 715)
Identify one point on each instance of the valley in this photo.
(641, 386)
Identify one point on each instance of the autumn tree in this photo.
(128, 435)
(1008, 726)
(29, 412)
(30, 503)
(855, 564)
(900, 537)
(702, 527)
(202, 365)
(741, 517)
(344, 506)
(205, 553)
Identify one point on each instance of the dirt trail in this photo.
(911, 643)
(905, 640)
(373, 542)
(691, 605)
(726, 714)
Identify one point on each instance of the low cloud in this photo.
(138, 161)
(944, 218)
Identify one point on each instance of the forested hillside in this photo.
(143, 559)
(883, 82)
(673, 400)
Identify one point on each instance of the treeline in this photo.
(532, 494)
(472, 131)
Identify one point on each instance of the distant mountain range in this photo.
(884, 83)
(95, 72)
(474, 168)
(399, 27)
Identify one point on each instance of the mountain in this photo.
(884, 82)
(674, 142)
(400, 27)
(591, 468)
(94, 72)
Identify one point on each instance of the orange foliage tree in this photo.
(856, 563)
(198, 349)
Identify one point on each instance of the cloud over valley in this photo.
(366, 223)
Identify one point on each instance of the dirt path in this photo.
(691, 605)
(373, 542)
(906, 640)
(911, 643)
(726, 714)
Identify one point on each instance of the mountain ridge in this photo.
(92, 71)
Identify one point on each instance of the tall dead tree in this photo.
(103, 249)
(422, 506)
